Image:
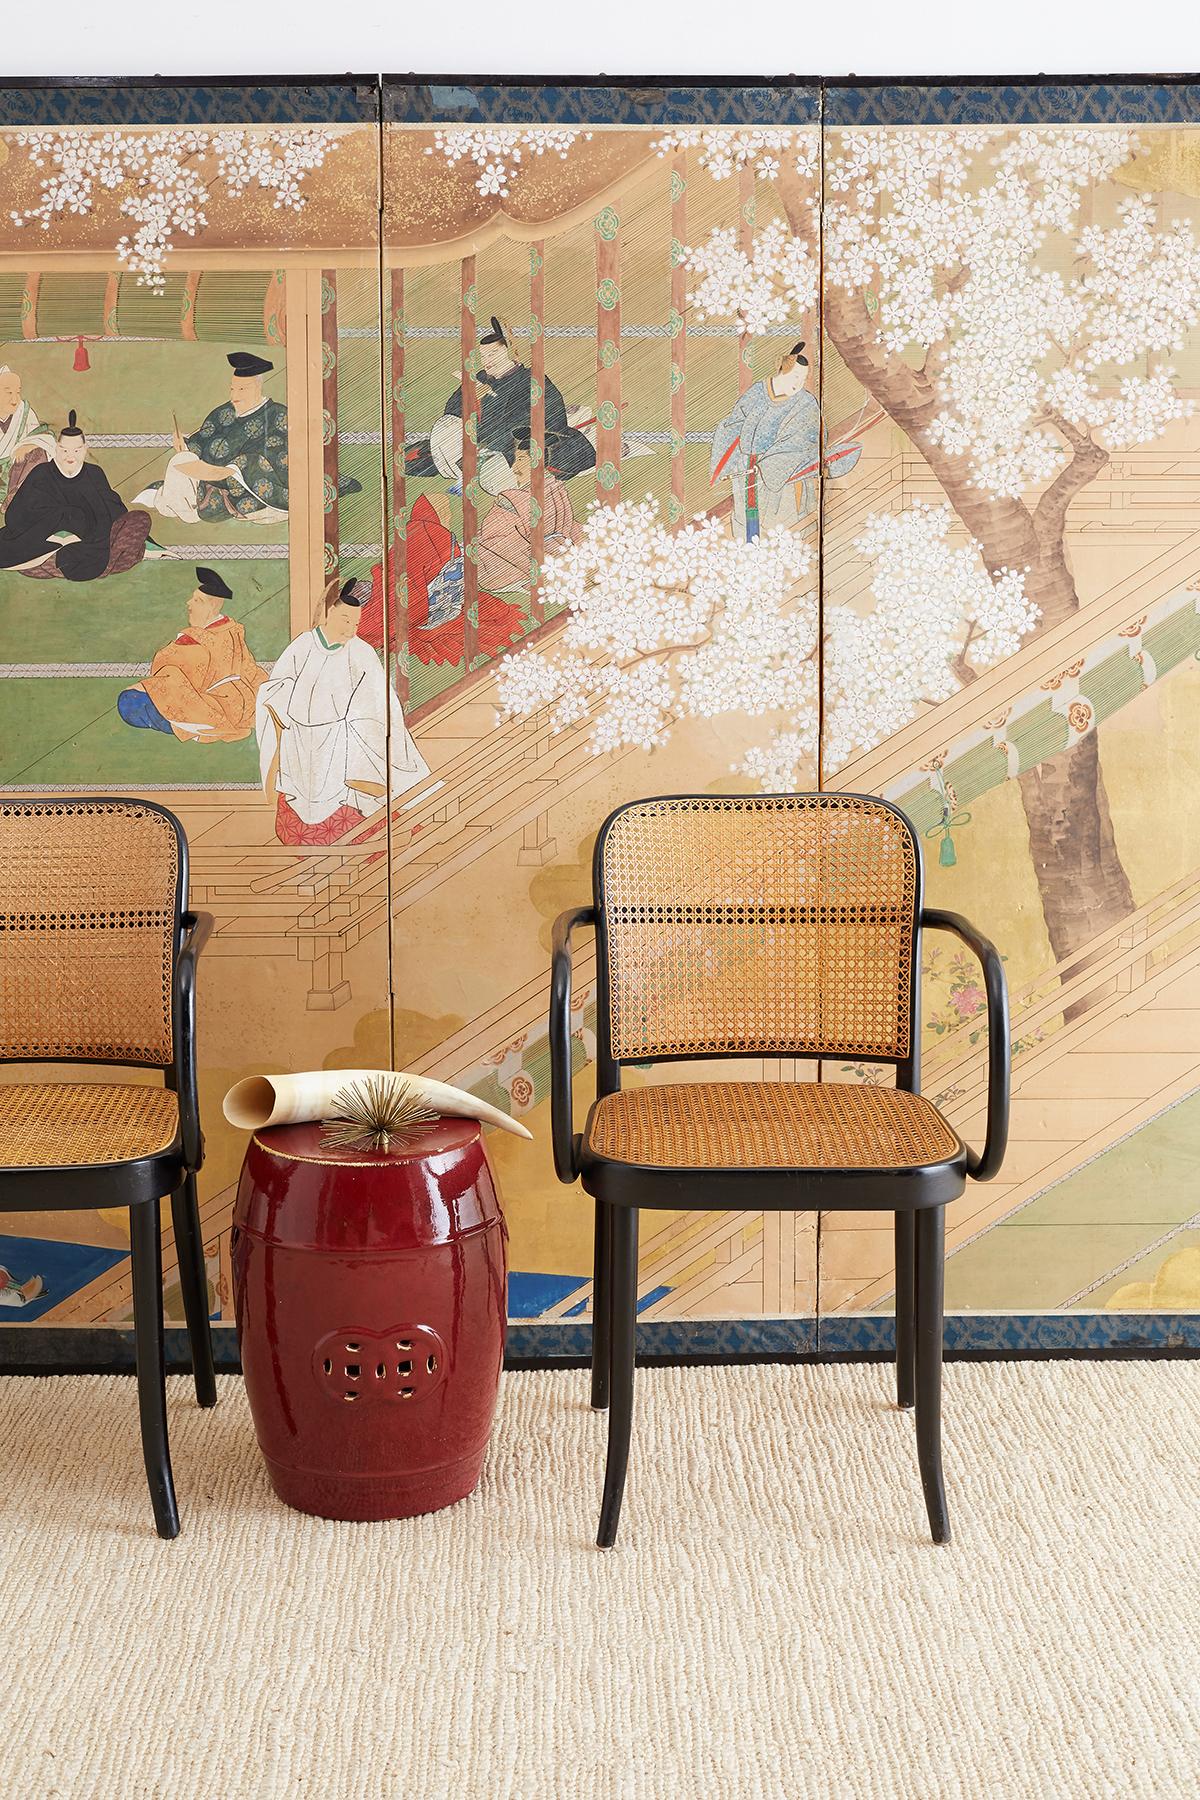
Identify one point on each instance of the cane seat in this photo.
(767, 1124)
(57, 1124)
(788, 1129)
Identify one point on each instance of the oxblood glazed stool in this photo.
(371, 1311)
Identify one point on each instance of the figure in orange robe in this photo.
(201, 687)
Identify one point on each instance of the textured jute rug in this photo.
(773, 1622)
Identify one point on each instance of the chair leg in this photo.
(602, 1306)
(905, 1296)
(146, 1256)
(193, 1280)
(930, 1287)
(623, 1308)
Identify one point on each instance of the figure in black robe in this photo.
(505, 407)
(48, 501)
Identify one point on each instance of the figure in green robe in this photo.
(234, 466)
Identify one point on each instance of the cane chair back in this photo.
(91, 896)
(767, 924)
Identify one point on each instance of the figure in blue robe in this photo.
(769, 447)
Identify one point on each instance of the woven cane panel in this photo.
(774, 924)
(87, 918)
(56, 1123)
(770, 1125)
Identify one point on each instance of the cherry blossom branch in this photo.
(164, 189)
(497, 150)
(1075, 437)
(663, 626)
(936, 355)
(962, 668)
(935, 604)
(1088, 459)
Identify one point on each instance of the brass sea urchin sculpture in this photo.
(369, 1114)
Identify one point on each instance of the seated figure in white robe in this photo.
(769, 448)
(24, 440)
(322, 726)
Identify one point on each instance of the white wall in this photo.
(614, 37)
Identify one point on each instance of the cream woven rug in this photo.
(774, 1621)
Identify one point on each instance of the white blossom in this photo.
(933, 605)
(1030, 329)
(496, 150)
(761, 290)
(725, 149)
(169, 175)
(669, 625)
(970, 246)
(781, 765)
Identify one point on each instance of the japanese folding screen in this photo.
(534, 448)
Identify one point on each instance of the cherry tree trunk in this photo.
(1082, 881)
(1083, 886)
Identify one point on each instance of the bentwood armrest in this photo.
(982, 1165)
(195, 930)
(566, 1141)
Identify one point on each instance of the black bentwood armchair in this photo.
(98, 965)
(765, 925)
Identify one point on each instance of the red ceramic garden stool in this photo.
(370, 1291)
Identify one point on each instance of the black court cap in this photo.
(210, 583)
(354, 593)
(242, 362)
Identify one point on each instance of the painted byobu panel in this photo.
(670, 439)
(1011, 633)
(604, 525)
(190, 278)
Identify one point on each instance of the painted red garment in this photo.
(291, 829)
(370, 619)
(428, 548)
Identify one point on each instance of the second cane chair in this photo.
(98, 965)
(751, 926)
